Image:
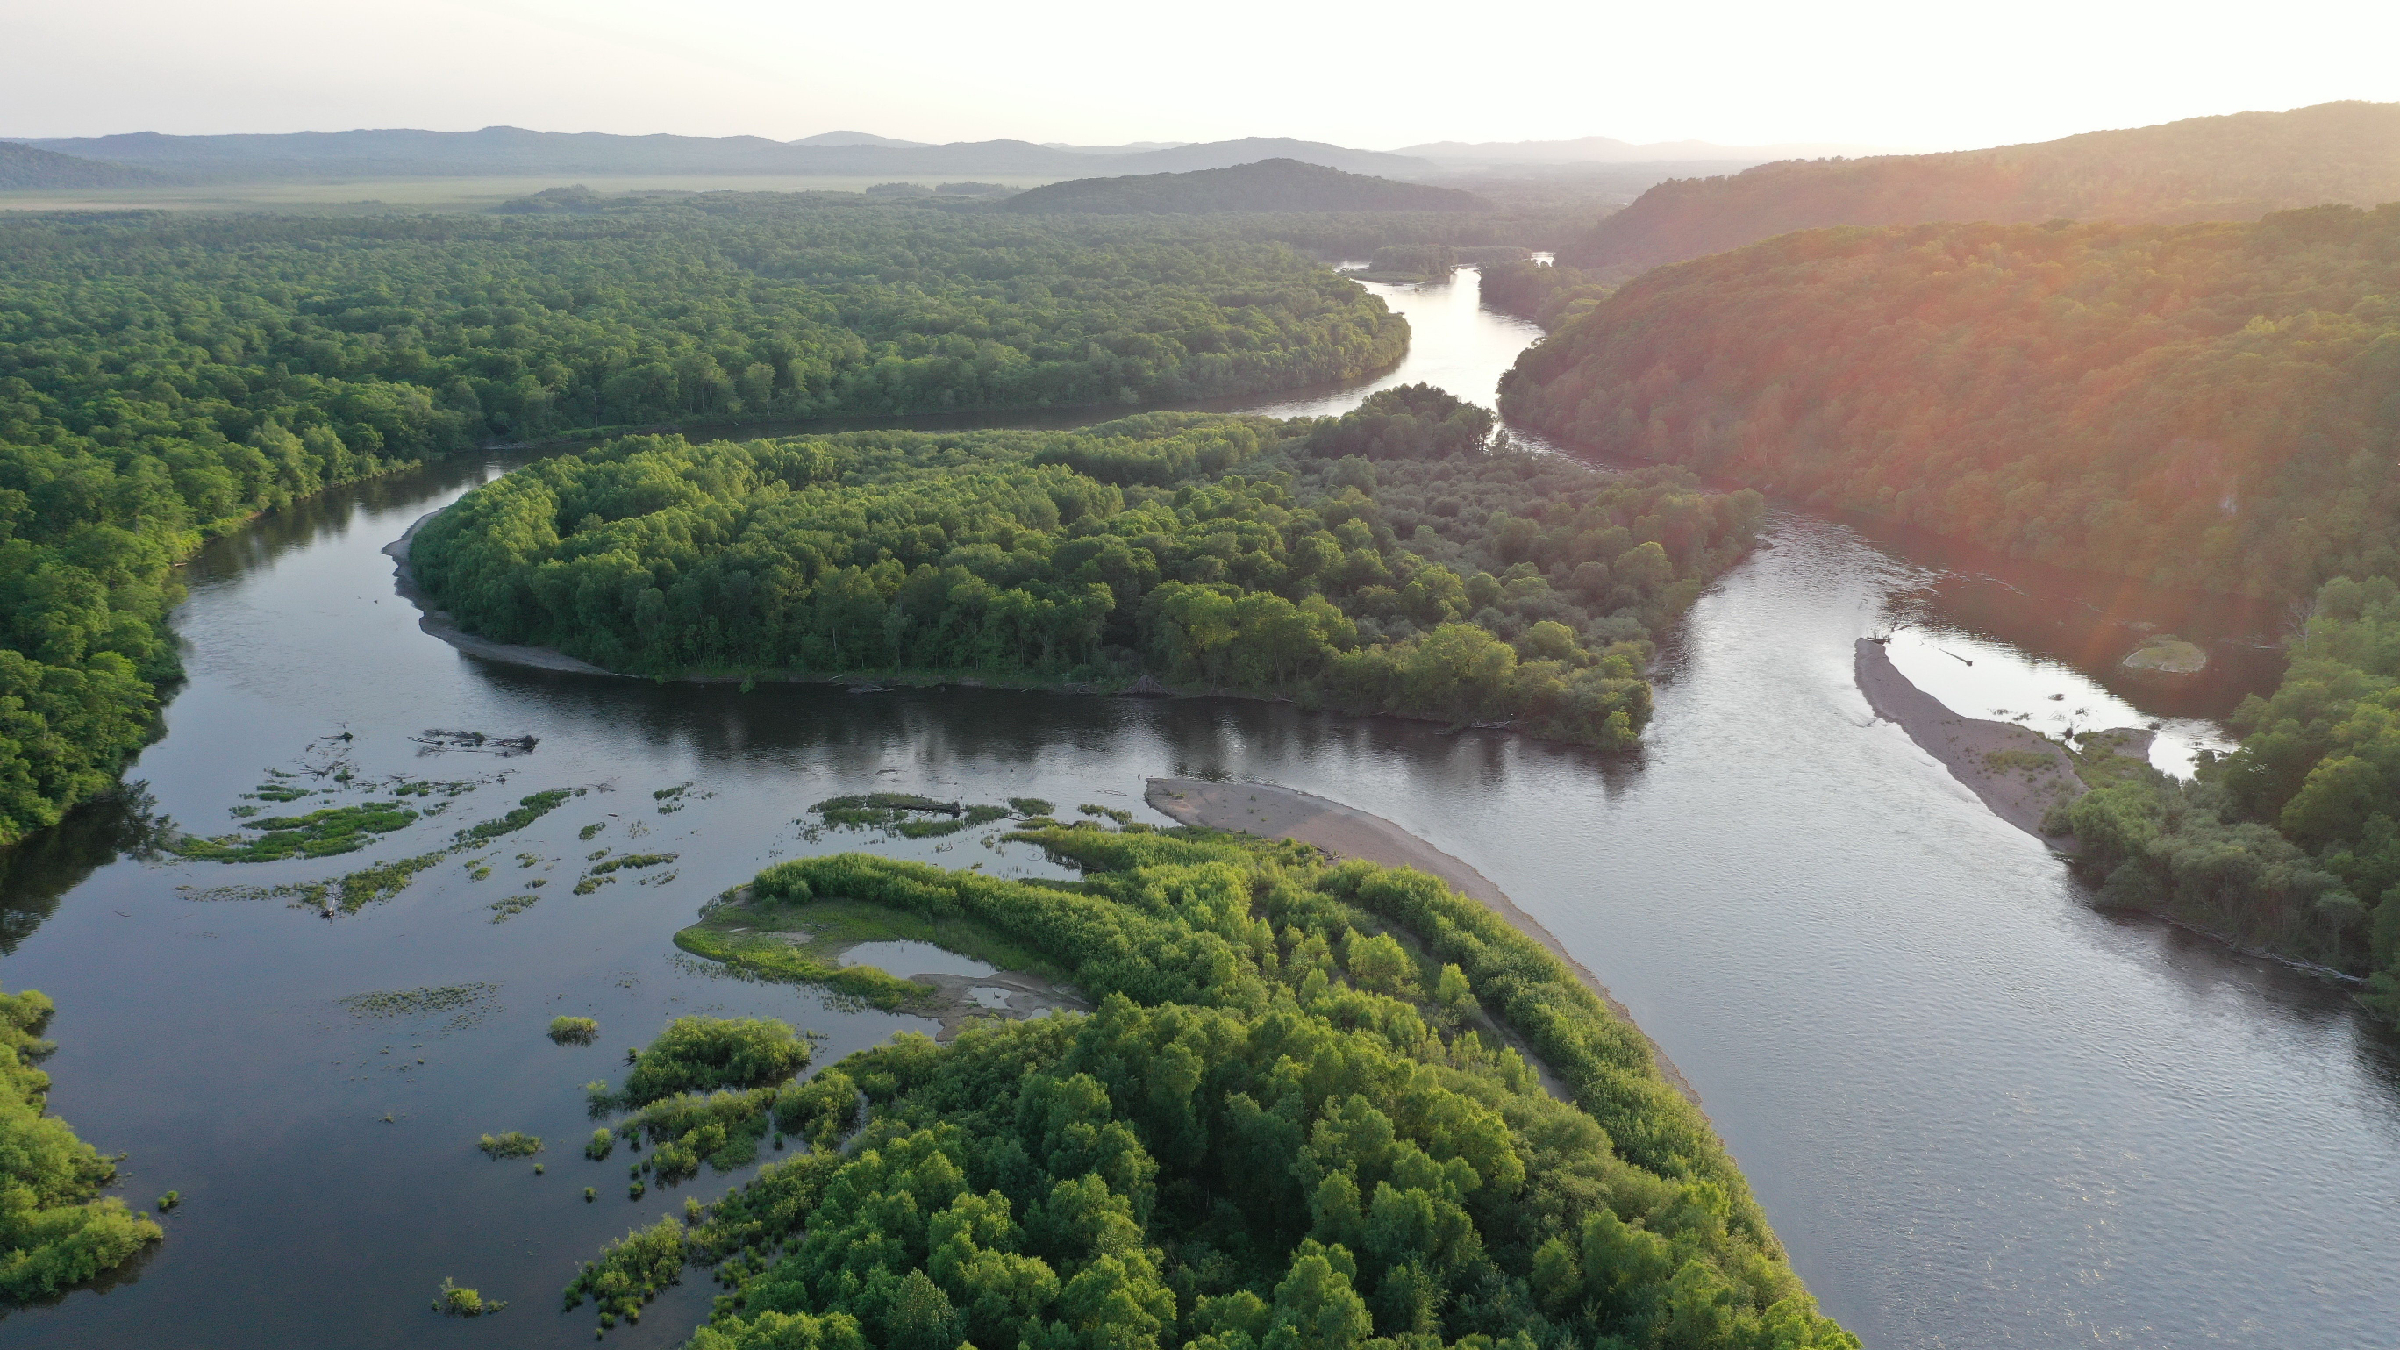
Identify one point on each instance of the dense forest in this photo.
(1545, 294)
(2205, 406)
(162, 378)
(2237, 167)
(1394, 559)
(56, 1229)
(1268, 185)
(1296, 1120)
(2291, 843)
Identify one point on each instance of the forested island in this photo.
(2236, 167)
(164, 378)
(56, 1229)
(1299, 1117)
(1397, 559)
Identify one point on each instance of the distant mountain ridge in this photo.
(2236, 167)
(497, 150)
(1608, 150)
(1267, 185)
(23, 166)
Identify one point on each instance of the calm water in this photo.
(1979, 1113)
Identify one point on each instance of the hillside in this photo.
(2206, 406)
(23, 166)
(2237, 167)
(1268, 185)
(311, 155)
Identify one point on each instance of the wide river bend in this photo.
(1979, 1113)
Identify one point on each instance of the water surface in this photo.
(1979, 1113)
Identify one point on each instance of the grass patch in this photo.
(2007, 761)
(368, 885)
(803, 944)
(631, 861)
(514, 1144)
(319, 834)
(1031, 806)
(528, 810)
(454, 1301)
(574, 1030)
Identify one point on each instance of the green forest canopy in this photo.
(2237, 167)
(56, 1229)
(2205, 406)
(1295, 1121)
(1385, 561)
(163, 378)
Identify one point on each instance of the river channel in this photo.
(1979, 1112)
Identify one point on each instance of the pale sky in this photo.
(1913, 75)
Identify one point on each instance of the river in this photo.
(1978, 1112)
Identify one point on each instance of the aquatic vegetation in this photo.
(455, 1301)
(903, 812)
(721, 1128)
(631, 861)
(573, 1030)
(1117, 814)
(513, 1144)
(602, 1143)
(510, 906)
(590, 884)
(769, 957)
(169, 1201)
(368, 885)
(467, 1004)
(56, 1229)
(1266, 1134)
(590, 830)
(529, 809)
(821, 1110)
(1030, 806)
(696, 1054)
(319, 834)
(590, 1194)
(631, 1270)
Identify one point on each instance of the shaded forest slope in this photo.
(2237, 167)
(2205, 406)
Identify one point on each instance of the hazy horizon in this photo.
(1735, 74)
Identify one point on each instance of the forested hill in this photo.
(163, 378)
(1388, 561)
(1268, 185)
(2237, 167)
(2208, 406)
(23, 166)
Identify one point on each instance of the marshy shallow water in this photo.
(1978, 1112)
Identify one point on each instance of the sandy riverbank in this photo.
(1285, 813)
(2018, 772)
(436, 622)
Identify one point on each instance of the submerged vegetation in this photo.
(1297, 1120)
(1396, 559)
(56, 1229)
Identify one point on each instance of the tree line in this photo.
(1294, 1121)
(2204, 407)
(1396, 559)
(163, 378)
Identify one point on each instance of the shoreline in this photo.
(2016, 771)
(1346, 832)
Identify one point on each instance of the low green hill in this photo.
(2237, 167)
(22, 166)
(1268, 185)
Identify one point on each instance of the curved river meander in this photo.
(1979, 1112)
